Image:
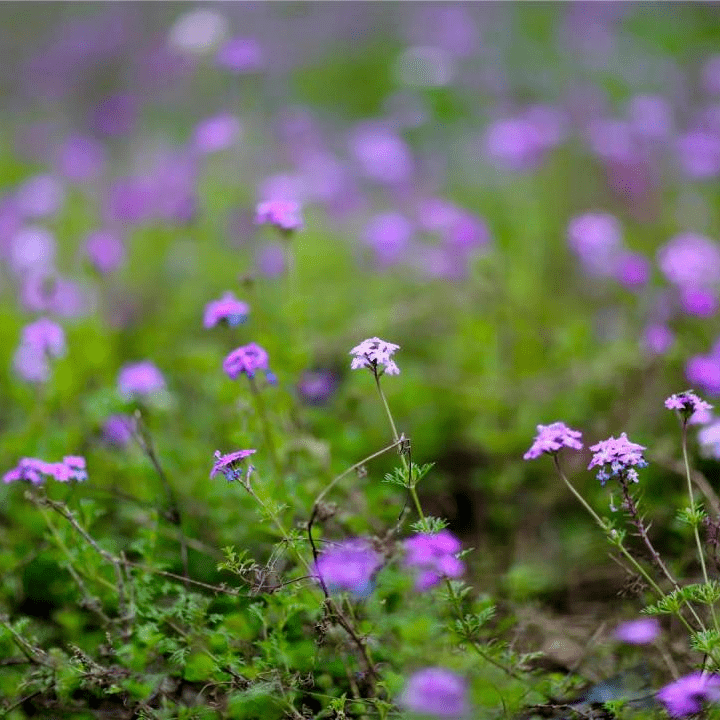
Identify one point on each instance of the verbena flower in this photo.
(316, 387)
(118, 430)
(41, 341)
(229, 465)
(432, 557)
(34, 470)
(551, 438)
(709, 439)
(282, 214)
(105, 251)
(597, 240)
(685, 695)
(139, 379)
(375, 354)
(617, 457)
(227, 309)
(638, 632)
(247, 360)
(349, 565)
(436, 691)
(687, 403)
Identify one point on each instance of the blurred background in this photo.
(523, 196)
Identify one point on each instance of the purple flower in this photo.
(389, 235)
(690, 261)
(105, 250)
(704, 371)
(349, 565)
(316, 386)
(81, 158)
(247, 360)
(72, 467)
(115, 114)
(686, 695)
(597, 240)
(240, 54)
(227, 309)
(228, 464)
(687, 403)
(709, 439)
(373, 352)
(514, 143)
(32, 249)
(699, 154)
(633, 269)
(40, 196)
(270, 260)
(658, 338)
(436, 691)
(282, 214)
(140, 379)
(216, 133)
(433, 558)
(698, 301)
(638, 632)
(383, 156)
(617, 457)
(46, 336)
(651, 117)
(118, 430)
(551, 438)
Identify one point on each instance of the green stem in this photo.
(698, 544)
(265, 424)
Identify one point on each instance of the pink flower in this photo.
(617, 457)
(687, 403)
(35, 470)
(247, 360)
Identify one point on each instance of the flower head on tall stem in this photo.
(617, 457)
(551, 438)
(687, 404)
(281, 214)
(229, 465)
(34, 470)
(433, 558)
(227, 309)
(375, 354)
(247, 360)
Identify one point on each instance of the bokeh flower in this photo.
(105, 250)
(140, 379)
(686, 695)
(617, 457)
(436, 691)
(41, 341)
(117, 430)
(376, 355)
(432, 557)
(349, 566)
(638, 632)
(229, 465)
(551, 438)
(282, 214)
(227, 309)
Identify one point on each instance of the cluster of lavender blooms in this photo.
(436, 691)
(227, 309)
(248, 360)
(35, 471)
(551, 438)
(349, 566)
(433, 558)
(376, 355)
(617, 457)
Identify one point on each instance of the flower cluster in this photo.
(433, 558)
(229, 465)
(436, 691)
(227, 309)
(686, 695)
(687, 404)
(282, 214)
(247, 360)
(34, 470)
(617, 457)
(349, 565)
(551, 438)
(375, 354)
